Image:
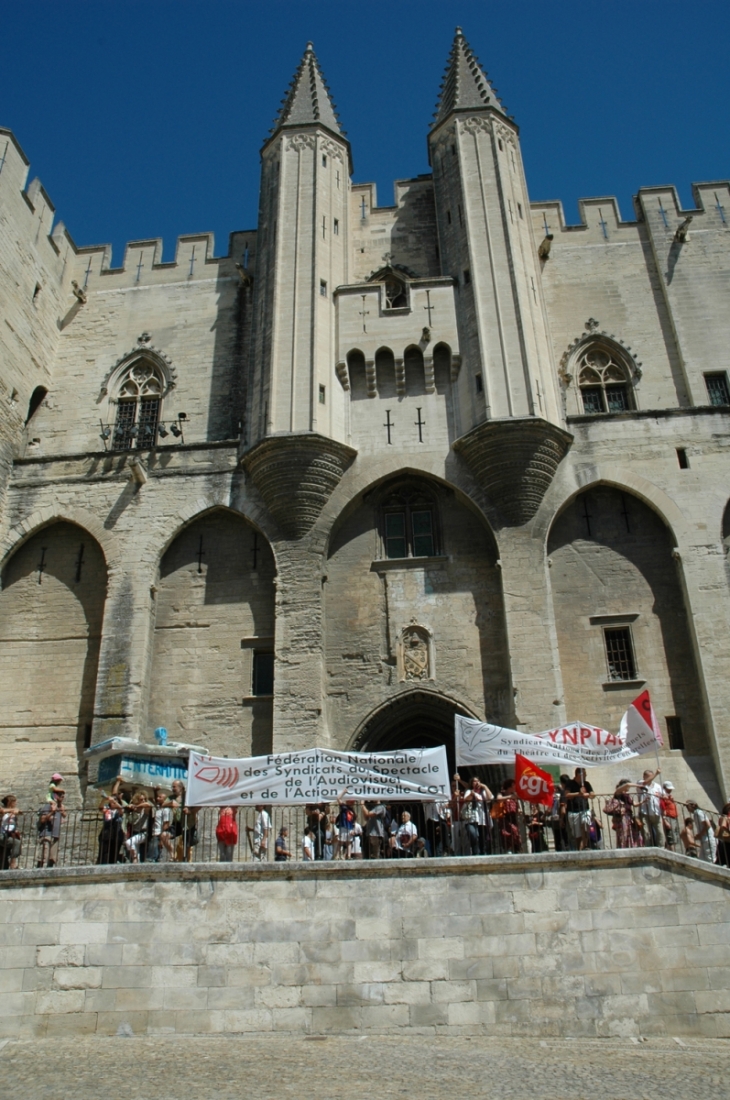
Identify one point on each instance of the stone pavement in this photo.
(423, 1066)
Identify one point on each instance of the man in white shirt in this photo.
(405, 837)
(703, 832)
(650, 809)
(308, 845)
(261, 830)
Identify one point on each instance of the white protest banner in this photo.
(576, 743)
(318, 775)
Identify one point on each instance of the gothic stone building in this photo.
(377, 465)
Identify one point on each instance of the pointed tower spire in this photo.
(465, 85)
(308, 99)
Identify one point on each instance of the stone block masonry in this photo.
(596, 945)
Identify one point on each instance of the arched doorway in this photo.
(420, 719)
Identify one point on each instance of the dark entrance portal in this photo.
(420, 720)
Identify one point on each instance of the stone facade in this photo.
(427, 455)
(592, 945)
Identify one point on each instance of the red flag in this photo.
(646, 710)
(532, 783)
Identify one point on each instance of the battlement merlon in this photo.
(651, 204)
(143, 264)
(36, 204)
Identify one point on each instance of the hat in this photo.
(668, 786)
(57, 778)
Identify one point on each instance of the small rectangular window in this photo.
(519, 208)
(619, 654)
(149, 411)
(467, 276)
(682, 458)
(461, 220)
(395, 535)
(422, 534)
(448, 216)
(336, 227)
(263, 674)
(324, 161)
(718, 390)
(453, 150)
(478, 383)
(124, 431)
(501, 146)
(323, 288)
(322, 395)
(674, 730)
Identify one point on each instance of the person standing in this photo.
(670, 817)
(406, 836)
(474, 812)
(261, 831)
(703, 832)
(374, 829)
(650, 811)
(50, 819)
(9, 834)
(723, 837)
(308, 845)
(226, 833)
(281, 846)
(578, 792)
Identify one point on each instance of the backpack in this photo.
(226, 830)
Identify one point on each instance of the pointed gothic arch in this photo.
(213, 633)
(52, 603)
(621, 618)
(601, 373)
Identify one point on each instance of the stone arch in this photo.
(602, 367)
(214, 627)
(44, 517)
(454, 597)
(52, 601)
(357, 375)
(385, 373)
(414, 371)
(614, 579)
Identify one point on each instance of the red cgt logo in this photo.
(532, 783)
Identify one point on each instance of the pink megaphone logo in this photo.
(215, 773)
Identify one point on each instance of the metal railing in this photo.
(85, 838)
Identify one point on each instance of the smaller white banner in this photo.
(576, 743)
(318, 775)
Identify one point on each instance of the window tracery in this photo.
(139, 400)
(603, 381)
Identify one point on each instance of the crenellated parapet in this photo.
(296, 475)
(515, 461)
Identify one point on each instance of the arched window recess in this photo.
(605, 370)
(136, 388)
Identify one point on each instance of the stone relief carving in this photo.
(474, 125)
(593, 332)
(331, 148)
(415, 656)
(505, 133)
(301, 141)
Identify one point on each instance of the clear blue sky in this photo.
(144, 118)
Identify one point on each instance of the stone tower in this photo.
(487, 246)
(303, 227)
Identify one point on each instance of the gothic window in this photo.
(604, 382)
(138, 407)
(408, 524)
(395, 293)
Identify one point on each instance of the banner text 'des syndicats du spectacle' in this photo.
(318, 775)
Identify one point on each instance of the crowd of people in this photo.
(158, 826)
